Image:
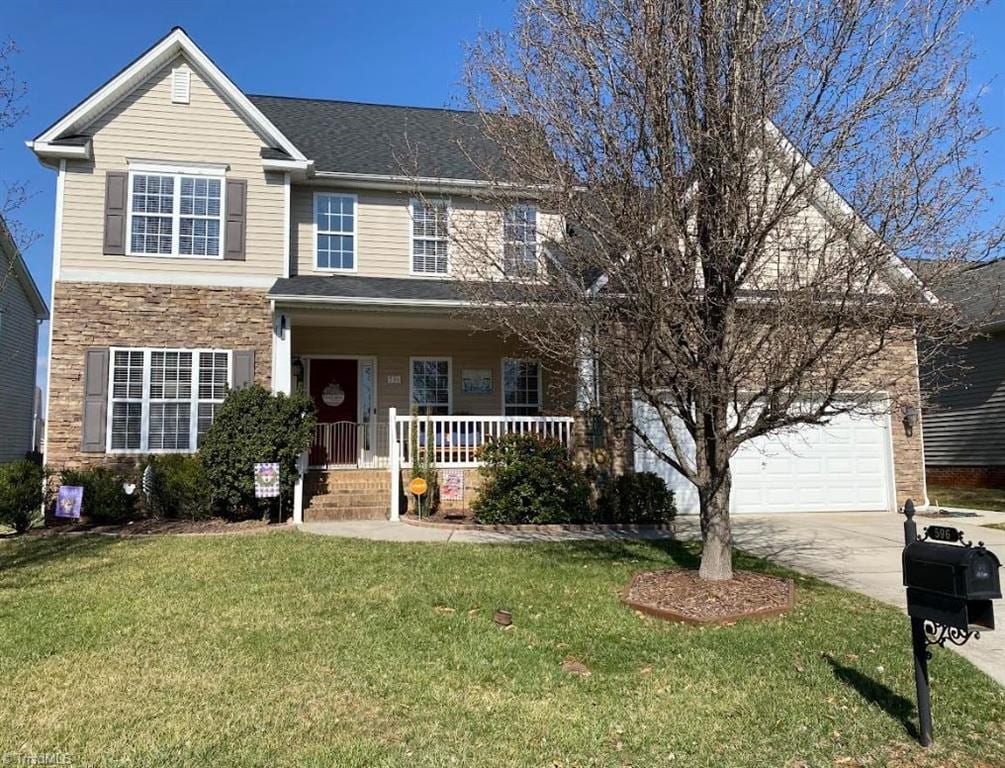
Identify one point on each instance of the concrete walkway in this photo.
(859, 551)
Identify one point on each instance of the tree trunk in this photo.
(716, 531)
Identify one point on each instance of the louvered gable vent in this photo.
(181, 79)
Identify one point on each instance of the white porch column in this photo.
(298, 490)
(282, 353)
(394, 461)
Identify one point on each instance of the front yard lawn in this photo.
(992, 499)
(284, 649)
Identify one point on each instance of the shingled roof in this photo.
(353, 137)
(978, 292)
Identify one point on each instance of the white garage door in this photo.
(843, 466)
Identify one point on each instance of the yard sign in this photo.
(266, 481)
(68, 501)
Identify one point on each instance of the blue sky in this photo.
(388, 51)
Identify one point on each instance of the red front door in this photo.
(335, 391)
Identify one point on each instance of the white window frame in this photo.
(412, 238)
(354, 232)
(540, 385)
(450, 379)
(537, 242)
(194, 399)
(177, 172)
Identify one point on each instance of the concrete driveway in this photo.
(861, 551)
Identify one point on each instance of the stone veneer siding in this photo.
(112, 314)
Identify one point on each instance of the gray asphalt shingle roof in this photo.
(358, 287)
(351, 137)
(978, 292)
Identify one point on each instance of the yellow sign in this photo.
(418, 486)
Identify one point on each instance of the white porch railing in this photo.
(350, 444)
(456, 440)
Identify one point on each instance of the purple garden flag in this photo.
(68, 501)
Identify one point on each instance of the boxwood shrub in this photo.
(104, 500)
(23, 491)
(636, 497)
(531, 479)
(175, 486)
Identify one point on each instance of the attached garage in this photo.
(844, 466)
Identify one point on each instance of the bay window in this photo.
(163, 400)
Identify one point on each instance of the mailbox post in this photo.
(950, 586)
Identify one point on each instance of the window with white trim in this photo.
(520, 241)
(521, 387)
(431, 385)
(164, 400)
(430, 236)
(175, 214)
(335, 224)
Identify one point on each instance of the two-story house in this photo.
(206, 238)
(22, 310)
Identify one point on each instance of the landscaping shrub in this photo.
(175, 486)
(104, 500)
(23, 491)
(636, 497)
(531, 479)
(253, 426)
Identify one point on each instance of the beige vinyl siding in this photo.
(394, 347)
(384, 231)
(18, 345)
(147, 126)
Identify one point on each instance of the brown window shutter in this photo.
(243, 373)
(237, 208)
(116, 192)
(92, 431)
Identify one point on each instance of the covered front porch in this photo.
(388, 383)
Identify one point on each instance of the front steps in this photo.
(347, 494)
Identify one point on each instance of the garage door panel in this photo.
(843, 466)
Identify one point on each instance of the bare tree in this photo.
(15, 193)
(737, 179)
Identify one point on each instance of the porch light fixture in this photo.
(910, 419)
(298, 369)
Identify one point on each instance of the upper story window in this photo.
(175, 214)
(520, 240)
(430, 236)
(164, 399)
(335, 231)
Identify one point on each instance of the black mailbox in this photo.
(951, 585)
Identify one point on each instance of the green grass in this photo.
(992, 499)
(284, 649)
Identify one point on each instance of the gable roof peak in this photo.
(177, 41)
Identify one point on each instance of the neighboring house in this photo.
(206, 238)
(965, 387)
(21, 310)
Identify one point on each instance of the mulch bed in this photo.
(212, 526)
(679, 595)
